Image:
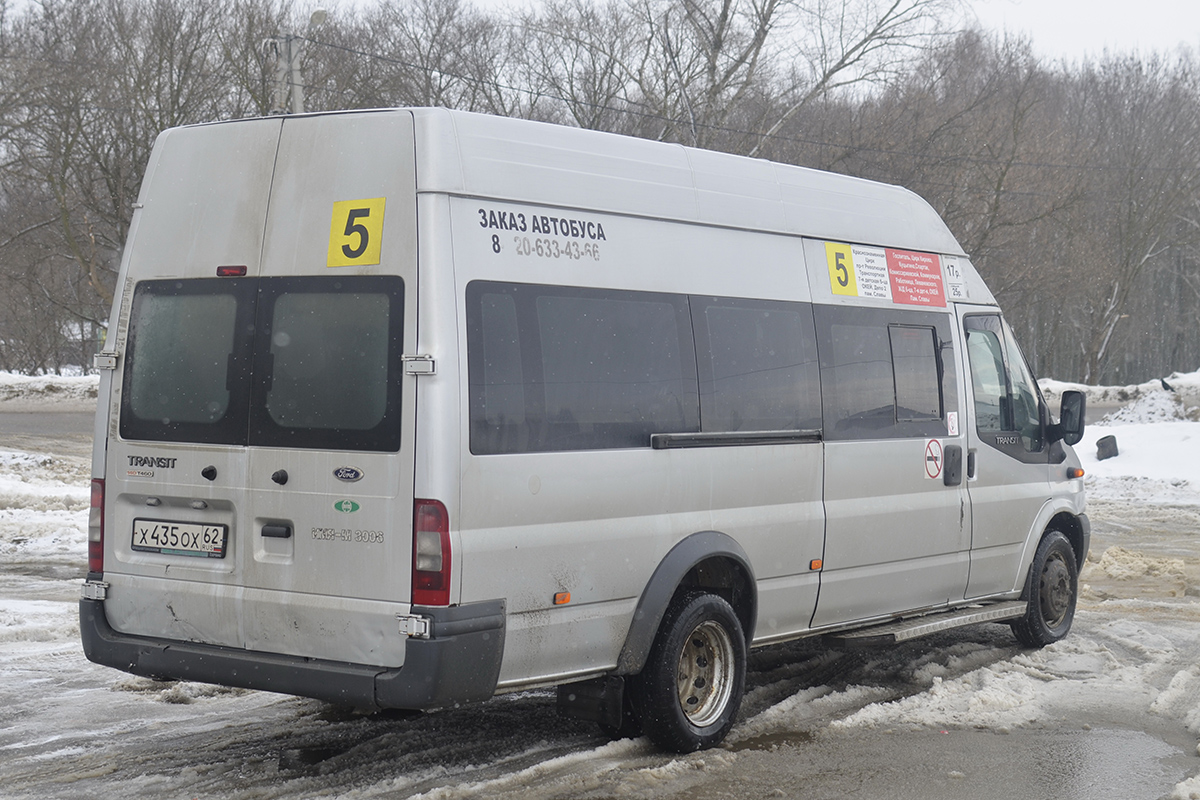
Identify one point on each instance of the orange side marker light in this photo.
(815, 564)
(562, 598)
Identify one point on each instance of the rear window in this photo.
(282, 362)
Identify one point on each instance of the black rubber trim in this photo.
(1085, 529)
(459, 662)
(666, 580)
(670, 441)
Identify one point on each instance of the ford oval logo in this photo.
(348, 474)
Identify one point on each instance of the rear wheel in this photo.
(1052, 589)
(689, 693)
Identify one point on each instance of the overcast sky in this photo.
(1075, 28)
(1068, 29)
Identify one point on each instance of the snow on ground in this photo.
(47, 392)
(1133, 655)
(1184, 385)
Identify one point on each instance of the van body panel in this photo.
(324, 159)
(204, 200)
(510, 159)
(895, 539)
(552, 517)
(620, 252)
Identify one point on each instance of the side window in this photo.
(915, 372)
(1006, 396)
(857, 378)
(882, 372)
(562, 368)
(757, 365)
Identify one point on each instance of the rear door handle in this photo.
(277, 531)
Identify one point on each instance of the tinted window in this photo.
(881, 373)
(758, 365)
(915, 371)
(559, 368)
(327, 351)
(324, 355)
(185, 363)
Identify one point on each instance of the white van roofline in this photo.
(480, 155)
(503, 158)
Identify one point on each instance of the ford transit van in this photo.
(407, 408)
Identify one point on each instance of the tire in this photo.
(1052, 590)
(688, 695)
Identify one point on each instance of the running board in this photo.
(905, 629)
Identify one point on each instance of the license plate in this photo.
(179, 538)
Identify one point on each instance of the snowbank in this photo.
(47, 392)
(1184, 386)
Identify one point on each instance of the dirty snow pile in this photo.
(43, 507)
(1183, 385)
(47, 392)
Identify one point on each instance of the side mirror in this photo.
(1070, 418)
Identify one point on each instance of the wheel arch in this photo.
(1055, 516)
(1077, 529)
(706, 560)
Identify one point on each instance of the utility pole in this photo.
(288, 50)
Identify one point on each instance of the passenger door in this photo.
(1008, 458)
(897, 531)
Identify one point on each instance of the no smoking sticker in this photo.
(933, 458)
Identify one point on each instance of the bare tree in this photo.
(1145, 115)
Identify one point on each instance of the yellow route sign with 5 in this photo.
(841, 269)
(355, 233)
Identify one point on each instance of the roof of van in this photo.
(522, 161)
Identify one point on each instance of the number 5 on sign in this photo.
(841, 269)
(355, 233)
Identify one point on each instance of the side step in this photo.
(905, 629)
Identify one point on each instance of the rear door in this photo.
(331, 407)
(296, 448)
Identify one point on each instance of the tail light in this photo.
(431, 554)
(96, 528)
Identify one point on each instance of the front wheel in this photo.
(689, 693)
(1052, 590)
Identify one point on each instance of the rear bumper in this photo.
(459, 662)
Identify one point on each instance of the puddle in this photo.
(1097, 764)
